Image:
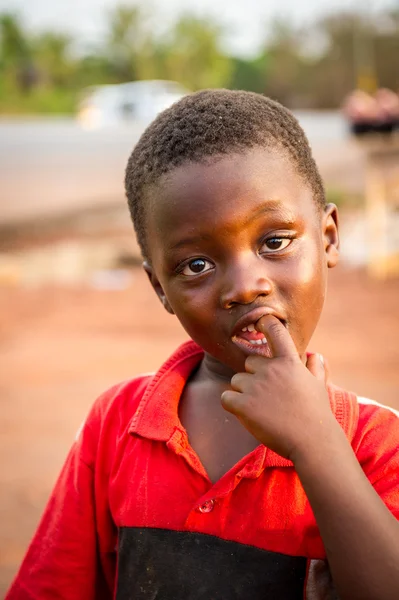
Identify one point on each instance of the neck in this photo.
(211, 369)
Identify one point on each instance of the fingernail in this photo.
(321, 359)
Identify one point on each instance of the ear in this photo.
(157, 286)
(330, 226)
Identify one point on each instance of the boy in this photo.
(235, 472)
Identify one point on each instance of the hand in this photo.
(282, 402)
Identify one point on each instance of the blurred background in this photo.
(79, 81)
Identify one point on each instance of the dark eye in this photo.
(275, 244)
(198, 265)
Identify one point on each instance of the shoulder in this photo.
(369, 425)
(373, 430)
(121, 399)
(376, 445)
(378, 427)
(110, 415)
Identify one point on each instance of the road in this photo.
(51, 167)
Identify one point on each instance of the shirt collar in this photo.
(157, 418)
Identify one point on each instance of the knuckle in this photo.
(225, 399)
(248, 361)
(292, 359)
(235, 381)
(228, 400)
(252, 362)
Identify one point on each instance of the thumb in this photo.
(317, 366)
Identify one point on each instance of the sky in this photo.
(246, 21)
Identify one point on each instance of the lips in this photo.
(251, 318)
(247, 338)
(247, 347)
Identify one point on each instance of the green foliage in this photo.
(250, 74)
(193, 55)
(14, 44)
(286, 65)
(51, 56)
(125, 41)
(313, 68)
(40, 101)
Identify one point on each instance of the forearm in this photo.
(360, 535)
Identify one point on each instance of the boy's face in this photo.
(233, 240)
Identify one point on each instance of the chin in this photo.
(234, 359)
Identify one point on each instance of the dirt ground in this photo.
(60, 347)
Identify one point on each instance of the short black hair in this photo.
(212, 123)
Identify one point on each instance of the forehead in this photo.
(225, 192)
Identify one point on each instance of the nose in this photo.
(244, 282)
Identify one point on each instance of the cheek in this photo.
(192, 308)
(312, 280)
(306, 294)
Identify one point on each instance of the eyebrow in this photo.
(190, 240)
(272, 206)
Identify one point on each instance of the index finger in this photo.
(278, 337)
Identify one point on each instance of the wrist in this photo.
(326, 444)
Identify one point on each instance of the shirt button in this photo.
(207, 507)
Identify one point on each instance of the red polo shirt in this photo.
(134, 515)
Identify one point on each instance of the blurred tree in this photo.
(94, 68)
(355, 50)
(360, 53)
(344, 62)
(386, 48)
(16, 62)
(286, 71)
(193, 54)
(250, 74)
(125, 42)
(52, 57)
(313, 68)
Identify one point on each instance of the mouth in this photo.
(247, 338)
(255, 345)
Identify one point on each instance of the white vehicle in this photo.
(138, 101)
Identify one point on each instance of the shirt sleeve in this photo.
(376, 445)
(62, 561)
